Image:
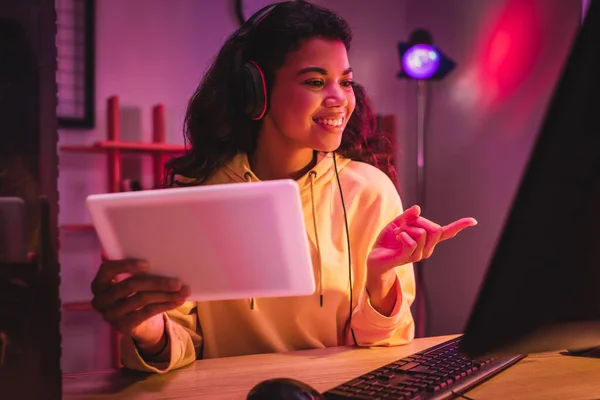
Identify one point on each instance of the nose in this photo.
(336, 97)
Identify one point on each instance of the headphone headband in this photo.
(255, 19)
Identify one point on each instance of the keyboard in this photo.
(439, 372)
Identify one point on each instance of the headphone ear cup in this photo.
(254, 91)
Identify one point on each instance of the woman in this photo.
(315, 128)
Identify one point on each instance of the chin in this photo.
(327, 146)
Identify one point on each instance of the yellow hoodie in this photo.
(240, 327)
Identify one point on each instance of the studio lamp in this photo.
(422, 61)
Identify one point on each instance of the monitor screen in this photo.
(542, 288)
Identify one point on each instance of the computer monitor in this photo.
(542, 288)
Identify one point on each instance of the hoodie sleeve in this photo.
(370, 327)
(374, 329)
(185, 342)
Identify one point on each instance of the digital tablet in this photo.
(226, 241)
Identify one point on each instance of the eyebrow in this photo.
(320, 70)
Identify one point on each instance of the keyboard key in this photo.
(420, 369)
(360, 396)
(380, 385)
(409, 366)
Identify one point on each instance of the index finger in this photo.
(452, 229)
(409, 216)
(110, 269)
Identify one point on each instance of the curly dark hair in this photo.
(216, 128)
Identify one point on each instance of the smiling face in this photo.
(312, 97)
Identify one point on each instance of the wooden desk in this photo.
(543, 376)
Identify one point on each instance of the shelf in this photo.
(78, 228)
(134, 147)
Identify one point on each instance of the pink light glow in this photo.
(507, 50)
(510, 47)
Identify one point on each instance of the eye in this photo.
(314, 83)
(347, 84)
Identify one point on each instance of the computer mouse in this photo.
(283, 388)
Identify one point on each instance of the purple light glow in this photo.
(420, 61)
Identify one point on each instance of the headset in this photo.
(255, 103)
(251, 77)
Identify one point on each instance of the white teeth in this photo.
(330, 122)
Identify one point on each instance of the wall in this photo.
(483, 120)
(151, 51)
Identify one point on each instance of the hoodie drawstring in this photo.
(312, 175)
(248, 178)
